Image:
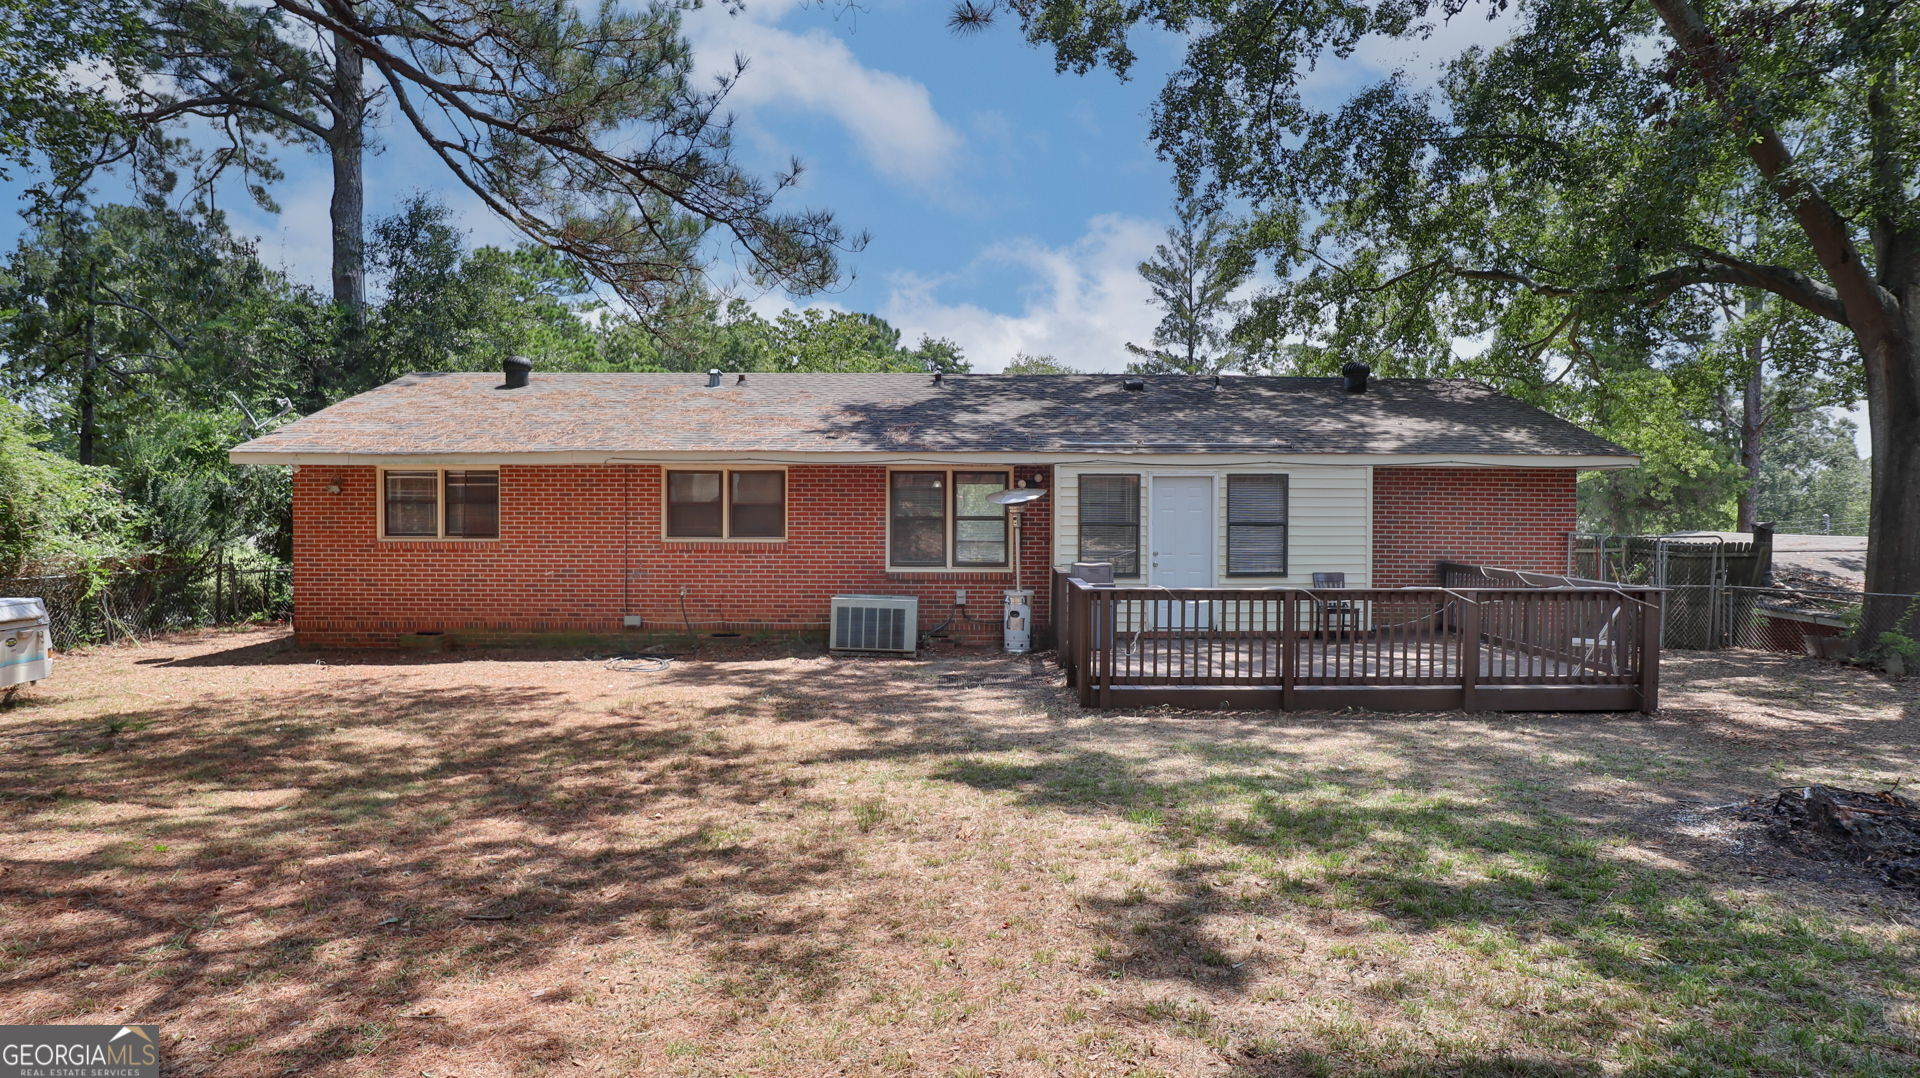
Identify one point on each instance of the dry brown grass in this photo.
(374, 864)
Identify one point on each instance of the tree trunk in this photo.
(1753, 425)
(89, 365)
(1882, 312)
(1893, 527)
(346, 145)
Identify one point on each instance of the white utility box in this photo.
(1016, 620)
(25, 640)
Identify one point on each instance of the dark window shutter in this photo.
(693, 504)
(917, 506)
(1257, 525)
(1110, 521)
(411, 498)
(473, 505)
(759, 509)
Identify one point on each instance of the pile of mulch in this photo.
(1876, 832)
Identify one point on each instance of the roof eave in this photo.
(243, 454)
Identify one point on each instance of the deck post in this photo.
(1083, 643)
(1469, 655)
(1057, 621)
(1289, 650)
(1651, 629)
(1110, 634)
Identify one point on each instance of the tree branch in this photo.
(1783, 281)
(1872, 311)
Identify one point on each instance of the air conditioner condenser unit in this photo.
(889, 623)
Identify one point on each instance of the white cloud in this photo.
(890, 117)
(1422, 60)
(1081, 302)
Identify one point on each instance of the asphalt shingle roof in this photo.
(457, 414)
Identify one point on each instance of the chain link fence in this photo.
(1718, 594)
(1805, 621)
(137, 604)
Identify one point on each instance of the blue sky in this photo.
(1008, 206)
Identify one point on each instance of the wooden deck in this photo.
(1492, 648)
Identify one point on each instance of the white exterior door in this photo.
(1182, 542)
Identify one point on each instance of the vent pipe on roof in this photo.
(1356, 375)
(518, 369)
(713, 377)
(938, 376)
(740, 381)
(1134, 385)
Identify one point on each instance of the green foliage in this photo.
(1194, 276)
(704, 335)
(1687, 478)
(1813, 470)
(443, 307)
(59, 62)
(1025, 363)
(585, 127)
(195, 503)
(1602, 190)
(154, 341)
(56, 516)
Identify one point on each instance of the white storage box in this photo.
(24, 640)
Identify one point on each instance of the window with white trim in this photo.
(726, 503)
(1110, 522)
(1256, 525)
(440, 503)
(943, 520)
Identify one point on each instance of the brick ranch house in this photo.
(594, 503)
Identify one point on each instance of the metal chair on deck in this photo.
(1341, 614)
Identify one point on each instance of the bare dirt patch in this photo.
(782, 863)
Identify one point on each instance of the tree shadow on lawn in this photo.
(338, 856)
(1522, 841)
(1488, 863)
(188, 856)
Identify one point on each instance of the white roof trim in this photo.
(1291, 460)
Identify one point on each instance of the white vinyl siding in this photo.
(1329, 529)
(1329, 518)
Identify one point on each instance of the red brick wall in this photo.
(580, 548)
(1514, 518)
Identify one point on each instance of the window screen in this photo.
(1257, 525)
(473, 505)
(693, 504)
(979, 526)
(1110, 521)
(412, 498)
(917, 510)
(759, 508)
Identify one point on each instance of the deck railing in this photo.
(1556, 648)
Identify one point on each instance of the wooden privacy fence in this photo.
(1512, 648)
